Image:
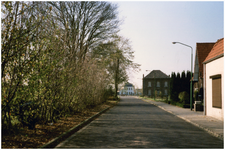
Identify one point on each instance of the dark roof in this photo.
(216, 51)
(156, 74)
(202, 51)
(128, 84)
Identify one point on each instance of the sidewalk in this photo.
(209, 124)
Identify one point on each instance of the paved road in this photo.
(134, 123)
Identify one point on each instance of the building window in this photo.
(149, 92)
(149, 84)
(216, 91)
(166, 92)
(166, 84)
(158, 84)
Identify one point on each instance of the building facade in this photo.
(127, 89)
(202, 51)
(156, 84)
(214, 81)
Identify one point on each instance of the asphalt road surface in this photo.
(134, 123)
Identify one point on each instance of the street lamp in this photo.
(191, 70)
(154, 84)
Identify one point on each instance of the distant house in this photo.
(202, 51)
(156, 83)
(127, 89)
(213, 74)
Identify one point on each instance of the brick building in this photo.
(202, 51)
(156, 82)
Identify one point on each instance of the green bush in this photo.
(28, 114)
(184, 97)
(173, 102)
(179, 104)
(182, 105)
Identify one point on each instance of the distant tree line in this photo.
(180, 83)
(58, 58)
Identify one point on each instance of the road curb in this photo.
(63, 136)
(204, 128)
(187, 120)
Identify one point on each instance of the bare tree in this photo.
(118, 58)
(85, 24)
(58, 58)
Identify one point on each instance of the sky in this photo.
(152, 26)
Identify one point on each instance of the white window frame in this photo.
(149, 84)
(166, 93)
(166, 84)
(158, 84)
(149, 92)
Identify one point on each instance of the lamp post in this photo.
(191, 70)
(154, 83)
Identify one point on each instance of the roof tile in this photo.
(217, 50)
(156, 74)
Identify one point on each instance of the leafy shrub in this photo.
(182, 105)
(28, 114)
(173, 102)
(184, 97)
(179, 104)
